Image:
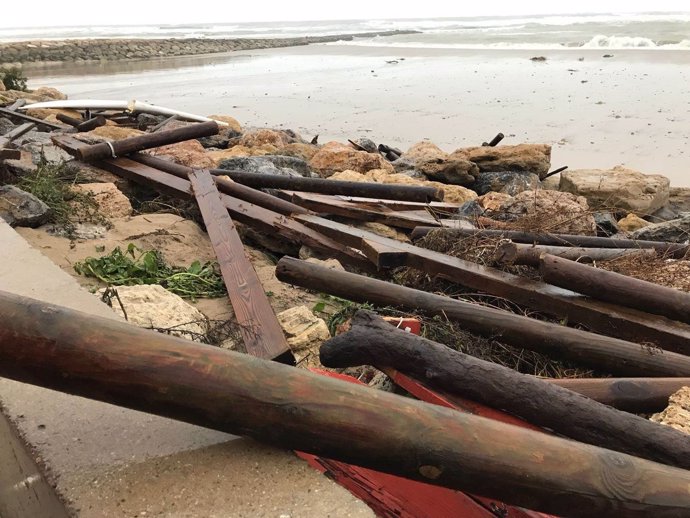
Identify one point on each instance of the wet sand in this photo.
(631, 109)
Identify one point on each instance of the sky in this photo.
(142, 12)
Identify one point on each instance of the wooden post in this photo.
(371, 341)
(147, 141)
(609, 354)
(616, 288)
(521, 253)
(125, 365)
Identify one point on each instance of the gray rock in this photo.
(470, 210)
(5, 125)
(22, 209)
(267, 164)
(403, 165)
(144, 120)
(665, 213)
(454, 172)
(676, 230)
(48, 152)
(367, 145)
(606, 224)
(34, 137)
(679, 199)
(508, 182)
(220, 141)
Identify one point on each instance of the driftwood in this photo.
(494, 141)
(599, 351)
(521, 253)
(616, 288)
(125, 365)
(638, 395)
(150, 140)
(371, 341)
(534, 238)
(261, 333)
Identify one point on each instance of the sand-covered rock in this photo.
(305, 332)
(112, 133)
(532, 158)
(49, 114)
(232, 122)
(298, 150)
(190, 153)
(508, 182)
(49, 94)
(677, 413)
(679, 199)
(20, 208)
(618, 188)
(39, 95)
(550, 211)
(152, 306)
(336, 157)
(631, 223)
(453, 193)
(2, 87)
(424, 150)
(436, 164)
(263, 137)
(493, 201)
(110, 201)
(241, 151)
(676, 230)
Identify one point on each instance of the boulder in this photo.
(22, 209)
(367, 145)
(665, 213)
(470, 210)
(153, 307)
(46, 152)
(240, 151)
(110, 201)
(532, 158)
(298, 150)
(231, 122)
(46, 93)
(677, 413)
(494, 201)
(606, 224)
(618, 188)
(50, 114)
(424, 150)
(267, 164)
(631, 223)
(676, 230)
(2, 87)
(262, 137)
(507, 182)
(305, 332)
(111, 133)
(549, 211)
(435, 163)
(190, 153)
(331, 264)
(679, 199)
(335, 157)
(5, 124)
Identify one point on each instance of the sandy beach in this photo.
(629, 109)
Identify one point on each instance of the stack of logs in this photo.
(568, 447)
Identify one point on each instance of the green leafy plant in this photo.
(13, 78)
(135, 266)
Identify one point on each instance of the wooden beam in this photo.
(522, 253)
(262, 335)
(371, 341)
(602, 352)
(27, 118)
(121, 364)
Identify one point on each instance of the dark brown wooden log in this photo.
(494, 141)
(671, 249)
(614, 287)
(261, 333)
(92, 123)
(10, 154)
(15, 115)
(150, 140)
(603, 352)
(613, 320)
(638, 395)
(137, 368)
(371, 341)
(435, 206)
(522, 253)
(335, 187)
(71, 121)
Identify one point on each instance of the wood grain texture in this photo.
(262, 335)
(609, 354)
(371, 341)
(137, 368)
(522, 253)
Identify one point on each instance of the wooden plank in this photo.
(262, 335)
(18, 131)
(39, 122)
(399, 205)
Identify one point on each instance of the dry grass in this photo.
(672, 273)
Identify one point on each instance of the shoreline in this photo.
(116, 49)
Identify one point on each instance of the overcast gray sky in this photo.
(129, 12)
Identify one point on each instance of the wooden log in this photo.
(616, 288)
(609, 319)
(387, 191)
(121, 364)
(14, 115)
(637, 395)
(10, 154)
(261, 333)
(602, 352)
(71, 121)
(150, 140)
(371, 341)
(92, 123)
(435, 206)
(494, 141)
(522, 253)
(671, 249)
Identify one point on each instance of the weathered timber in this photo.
(387, 191)
(399, 205)
(9, 154)
(113, 361)
(17, 132)
(522, 253)
(71, 121)
(616, 288)
(602, 317)
(494, 141)
(225, 186)
(603, 352)
(329, 205)
(261, 333)
(256, 217)
(150, 140)
(92, 123)
(371, 341)
(555, 172)
(11, 114)
(638, 395)
(671, 249)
